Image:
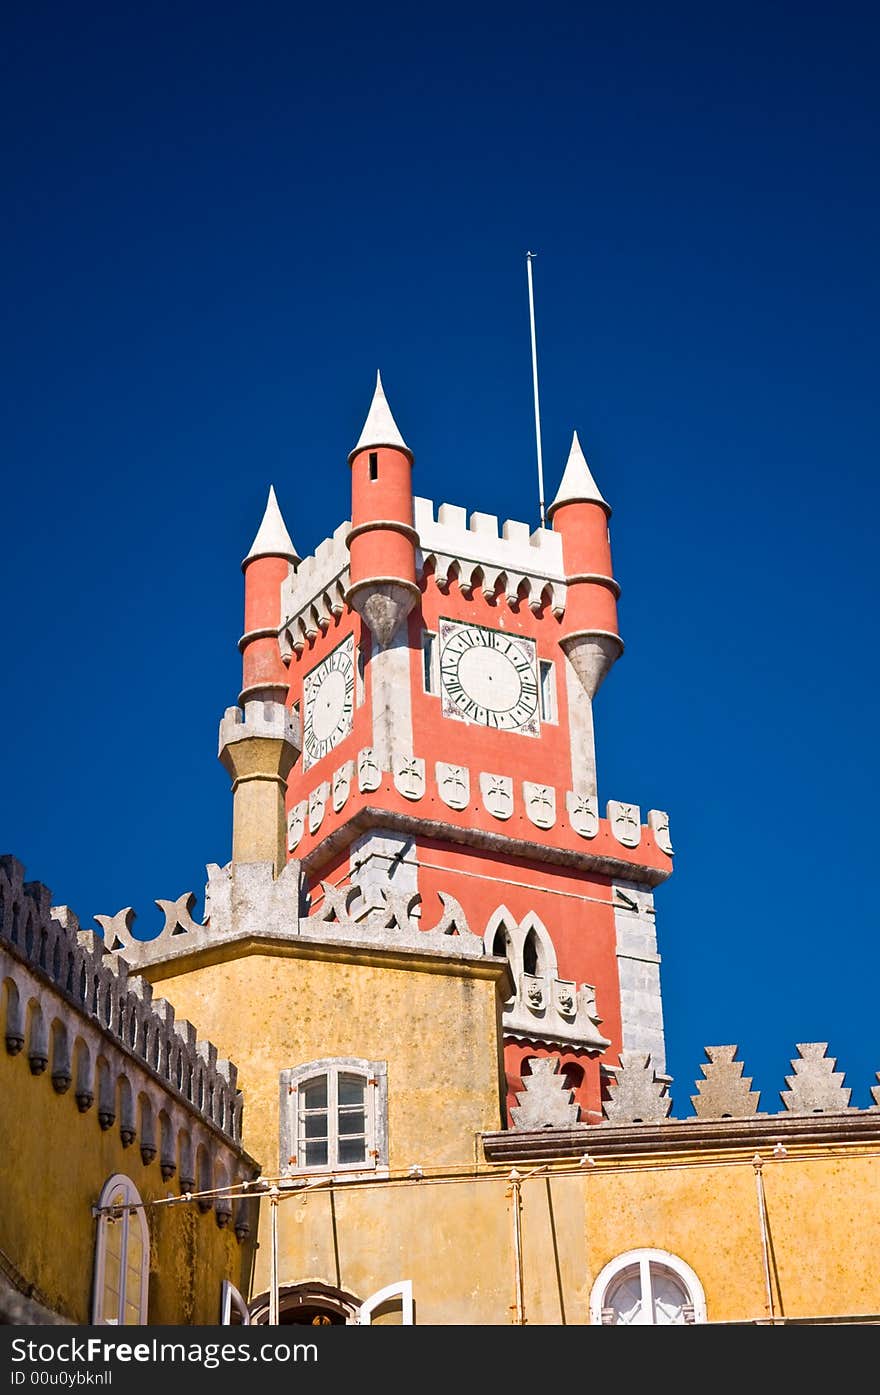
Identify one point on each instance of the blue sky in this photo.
(222, 219)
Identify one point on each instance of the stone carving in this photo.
(724, 1093)
(583, 813)
(390, 918)
(625, 821)
(369, 773)
(815, 1087)
(409, 776)
(532, 992)
(453, 785)
(296, 824)
(545, 1101)
(658, 822)
(637, 1095)
(318, 805)
(497, 792)
(342, 779)
(382, 860)
(540, 804)
(566, 996)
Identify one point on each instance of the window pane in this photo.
(316, 1153)
(314, 1094)
(315, 1125)
(352, 1121)
(670, 1297)
(624, 1299)
(351, 1089)
(352, 1150)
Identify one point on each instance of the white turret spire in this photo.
(380, 428)
(273, 539)
(578, 485)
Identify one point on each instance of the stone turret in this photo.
(270, 562)
(382, 540)
(258, 746)
(590, 636)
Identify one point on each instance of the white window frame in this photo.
(402, 1290)
(231, 1298)
(375, 1075)
(132, 1212)
(644, 1260)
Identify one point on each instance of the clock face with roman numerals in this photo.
(489, 677)
(328, 703)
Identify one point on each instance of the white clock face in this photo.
(328, 703)
(489, 677)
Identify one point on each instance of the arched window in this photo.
(647, 1287)
(334, 1116)
(122, 1256)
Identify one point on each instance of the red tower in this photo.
(443, 671)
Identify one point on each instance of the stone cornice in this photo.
(675, 1137)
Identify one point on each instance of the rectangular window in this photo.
(429, 662)
(548, 691)
(336, 1117)
(374, 465)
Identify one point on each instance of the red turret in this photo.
(382, 541)
(580, 514)
(266, 566)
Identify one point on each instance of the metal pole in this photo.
(516, 1202)
(758, 1164)
(273, 1282)
(529, 258)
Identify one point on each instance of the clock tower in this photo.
(427, 678)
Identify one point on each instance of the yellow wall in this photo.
(52, 1175)
(438, 1028)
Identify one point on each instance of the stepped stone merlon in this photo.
(638, 1095)
(545, 1101)
(724, 1093)
(258, 747)
(815, 1087)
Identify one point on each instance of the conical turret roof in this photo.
(273, 539)
(380, 428)
(577, 485)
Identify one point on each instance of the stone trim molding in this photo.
(391, 525)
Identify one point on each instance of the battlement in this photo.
(528, 563)
(315, 593)
(267, 720)
(95, 983)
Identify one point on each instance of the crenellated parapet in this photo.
(527, 563)
(74, 1009)
(315, 595)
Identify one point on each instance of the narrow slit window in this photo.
(360, 685)
(429, 662)
(374, 465)
(548, 691)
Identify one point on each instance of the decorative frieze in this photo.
(583, 813)
(409, 776)
(318, 805)
(341, 785)
(540, 802)
(382, 916)
(497, 792)
(453, 784)
(369, 770)
(314, 593)
(296, 824)
(625, 821)
(658, 822)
